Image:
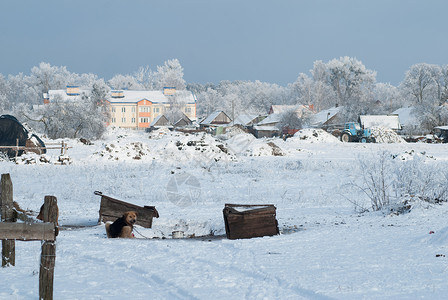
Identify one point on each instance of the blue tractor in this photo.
(354, 133)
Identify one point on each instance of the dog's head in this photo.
(130, 217)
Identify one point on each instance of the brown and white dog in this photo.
(122, 227)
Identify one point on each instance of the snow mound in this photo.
(313, 135)
(246, 144)
(201, 147)
(169, 146)
(409, 155)
(159, 133)
(135, 150)
(239, 143)
(232, 131)
(385, 135)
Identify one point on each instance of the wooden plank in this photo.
(27, 232)
(112, 209)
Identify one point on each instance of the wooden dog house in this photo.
(248, 221)
(112, 209)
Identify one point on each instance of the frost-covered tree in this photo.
(351, 81)
(3, 92)
(295, 118)
(344, 82)
(46, 77)
(421, 83)
(443, 83)
(309, 91)
(424, 88)
(22, 90)
(99, 92)
(242, 97)
(171, 74)
(146, 78)
(72, 119)
(387, 98)
(124, 82)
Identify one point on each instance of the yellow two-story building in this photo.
(134, 109)
(137, 109)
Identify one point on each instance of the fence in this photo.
(46, 232)
(63, 146)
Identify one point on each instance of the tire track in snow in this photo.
(158, 283)
(256, 275)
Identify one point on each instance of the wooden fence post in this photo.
(48, 255)
(6, 204)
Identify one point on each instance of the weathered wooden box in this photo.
(112, 209)
(248, 221)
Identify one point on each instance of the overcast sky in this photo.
(271, 41)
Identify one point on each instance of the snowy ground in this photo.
(326, 250)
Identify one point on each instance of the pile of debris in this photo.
(313, 135)
(385, 135)
(134, 150)
(246, 144)
(160, 133)
(409, 155)
(198, 146)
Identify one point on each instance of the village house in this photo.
(133, 109)
(327, 118)
(215, 119)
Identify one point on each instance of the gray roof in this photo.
(212, 117)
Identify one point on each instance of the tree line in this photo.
(343, 82)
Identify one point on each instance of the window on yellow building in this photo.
(144, 109)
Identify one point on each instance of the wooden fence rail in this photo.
(28, 232)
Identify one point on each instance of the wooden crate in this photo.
(248, 221)
(112, 209)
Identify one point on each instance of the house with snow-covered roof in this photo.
(160, 121)
(247, 120)
(215, 119)
(326, 117)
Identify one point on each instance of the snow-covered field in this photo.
(326, 249)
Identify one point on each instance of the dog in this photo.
(40, 216)
(122, 227)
